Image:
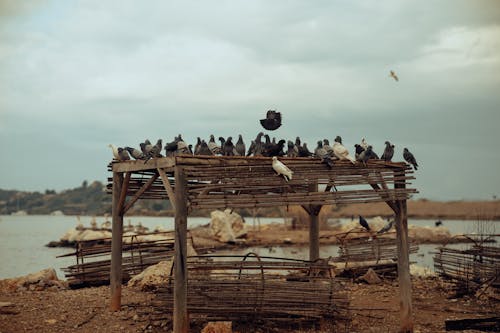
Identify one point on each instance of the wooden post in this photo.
(405, 290)
(181, 319)
(313, 227)
(115, 278)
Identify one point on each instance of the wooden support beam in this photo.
(123, 193)
(314, 226)
(181, 319)
(155, 163)
(168, 188)
(136, 197)
(405, 289)
(115, 278)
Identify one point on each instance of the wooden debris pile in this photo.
(256, 289)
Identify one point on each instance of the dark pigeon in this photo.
(410, 158)
(364, 223)
(203, 149)
(228, 148)
(274, 149)
(358, 150)
(304, 151)
(272, 120)
(240, 146)
(197, 145)
(388, 152)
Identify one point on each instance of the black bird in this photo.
(304, 151)
(135, 153)
(197, 145)
(388, 152)
(364, 223)
(438, 223)
(274, 149)
(366, 155)
(240, 146)
(228, 148)
(410, 158)
(272, 120)
(203, 149)
(171, 147)
(358, 150)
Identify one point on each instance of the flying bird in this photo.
(386, 227)
(282, 169)
(116, 155)
(388, 152)
(410, 158)
(364, 223)
(393, 75)
(272, 120)
(341, 152)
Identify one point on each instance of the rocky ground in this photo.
(374, 309)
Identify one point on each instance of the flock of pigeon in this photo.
(262, 145)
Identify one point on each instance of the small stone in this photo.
(371, 277)
(135, 317)
(50, 321)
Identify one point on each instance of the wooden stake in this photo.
(314, 227)
(181, 319)
(405, 290)
(115, 278)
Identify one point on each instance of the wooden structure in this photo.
(191, 182)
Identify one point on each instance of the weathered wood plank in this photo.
(139, 193)
(168, 188)
(115, 278)
(155, 163)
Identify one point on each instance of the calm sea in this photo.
(23, 239)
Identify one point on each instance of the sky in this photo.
(78, 75)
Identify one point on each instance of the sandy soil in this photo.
(375, 309)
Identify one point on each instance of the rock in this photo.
(38, 281)
(226, 226)
(153, 276)
(218, 327)
(371, 277)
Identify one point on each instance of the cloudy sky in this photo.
(78, 75)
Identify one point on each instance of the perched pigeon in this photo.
(410, 158)
(197, 145)
(171, 147)
(358, 150)
(203, 149)
(274, 149)
(388, 152)
(393, 75)
(323, 155)
(182, 147)
(116, 155)
(256, 147)
(364, 223)
(328, 148)
(147, 147)
(212, 145)
(364, 144)
(272, 120)
(341, 152)
(240, 146)
(135, 153)
(282, 169)
(367, 155)
(386, 227)
(292, 151)
(228, 148)
(124, 156)
(155, 151)
(304, 151)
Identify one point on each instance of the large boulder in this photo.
(153, 276)
(42, 280)
(227, 226)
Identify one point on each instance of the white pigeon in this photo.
(364, 144)
(282, 169)
(116, 155)
(342, 153)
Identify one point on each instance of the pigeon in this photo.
(216, 150)
(388, 152)
(386, 227)
(182, 147)
(292, 151)
(341, 152)
(228, 148)
(203, 149)
(328, 148)
(123, 153)
(393, 75)
(135, 153)
(364, 223)
(410, 158)
(240, 146)
(274, 149)
(155, 151)
(282, 169)
(304, 151)
(147, 147)
(367, 155)
(197, 145)
(364, 144)
(256, 148)
(358, 150)
(115, 151)
(323, 155)
(222, 144)
(272, 120)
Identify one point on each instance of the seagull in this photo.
(124, 156)
(341, 152)
(135, 153)
(216, 150)
(386, 227)
(116, 155)
(240, 146)
(282, 169)
(393, 75)
(410, 158)
(388, 152)
(272, 120)
(364, 223)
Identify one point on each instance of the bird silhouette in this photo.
(410, 158)
(272, 120)
(281, 169)
(393, 75)
(364, 223)
(388, 152)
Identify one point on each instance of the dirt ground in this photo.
(374, 309)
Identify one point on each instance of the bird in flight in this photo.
(393, 75)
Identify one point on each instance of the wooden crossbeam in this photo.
(168, 187)
(136, 197)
